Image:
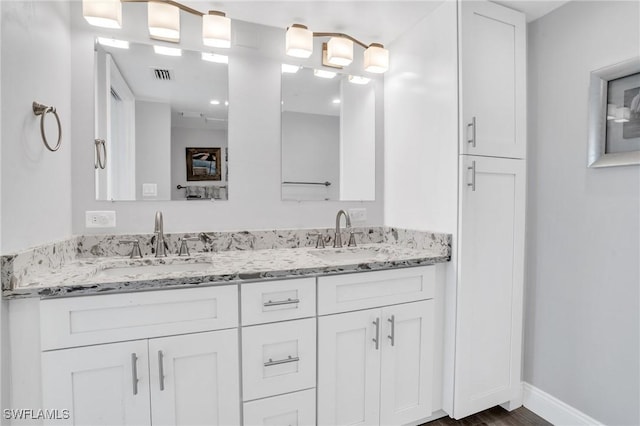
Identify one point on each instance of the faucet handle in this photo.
(320, 240)
(352, 238)
(135, 249)
(184, 247)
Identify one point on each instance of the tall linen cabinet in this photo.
(491, 209)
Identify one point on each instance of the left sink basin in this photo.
(129, 271)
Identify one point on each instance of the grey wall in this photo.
(582, 290)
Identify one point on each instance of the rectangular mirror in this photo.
(161, 123)
(328, 135)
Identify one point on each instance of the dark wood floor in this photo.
(496, 416)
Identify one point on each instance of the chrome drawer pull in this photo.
(282, 302)
(392, 336)
(287, 360)
(472, 125)
(161, 369)
(376, 339)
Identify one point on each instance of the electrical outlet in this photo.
(358, 216)
(104, 219)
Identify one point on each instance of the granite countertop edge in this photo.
(88, 286)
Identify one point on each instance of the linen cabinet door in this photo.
(493, 75)
(99, 385)
(195, 379)
(349, 368)
(407, 363)
(490, 284)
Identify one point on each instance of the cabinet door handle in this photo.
(134, 372)
(281, 302)
(472, 141)
(392, 336)
(287, 360)
(472, 184)
(161, 369)
(376, 339)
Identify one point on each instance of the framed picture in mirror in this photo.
(614, 115)
(203, 164)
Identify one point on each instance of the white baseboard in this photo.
(553, 410)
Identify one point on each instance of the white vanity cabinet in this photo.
(375, 366)
(492, 59)
(189, 378)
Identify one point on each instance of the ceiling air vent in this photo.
(162, 74)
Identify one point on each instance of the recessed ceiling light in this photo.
(112, 42)
(290, 69)
(324, 74)
(335, 101)
(214, 57)
(168, 51)
(215, 102)
(356, 79)
(226, 103)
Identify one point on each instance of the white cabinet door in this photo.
(195, 379)
(490, 283)
(349, 368)
(493, 75)
(100, 385)
(407, 363)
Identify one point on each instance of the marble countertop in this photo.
(104, 275)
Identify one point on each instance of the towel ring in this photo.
(101, 160)
(42, 110)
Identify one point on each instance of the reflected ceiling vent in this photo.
(115, 95)
(162, 74)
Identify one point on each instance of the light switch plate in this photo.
(100, 219)
(358, 216)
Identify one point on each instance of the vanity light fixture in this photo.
(338, 51)
(214, 57)
(167, 51)
(324, 73)
(623, 115)
(112, 42)
(103, 13)
(356, 79)
(290, 69)
(163, 19)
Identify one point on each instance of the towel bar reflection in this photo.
(101, 154)
(42, 111)
(327, 183)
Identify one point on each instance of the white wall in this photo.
(583, 230)
(183, 137)
(421, 112)
(254, 141)
(310, 153)
(36, 183)
(153, 147)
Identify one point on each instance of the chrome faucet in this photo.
(337, 241)
(161, 249)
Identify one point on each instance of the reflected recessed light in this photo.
(214, 57)
(356, 79)
(226, 103)
(215, 102)
(290, 69)
(168, 51)
(112, 42)
(324, 74)
(336, 101)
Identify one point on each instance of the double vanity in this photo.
(263, 329)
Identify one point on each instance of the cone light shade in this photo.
(340, 51)
(164, 21)
(376, 59)
(103, 13)
(216, 30)
(298, 41)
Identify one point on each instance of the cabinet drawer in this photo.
(278, 358)
(364, 290)
(295, 409)
(278, 300)
(80, 321)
